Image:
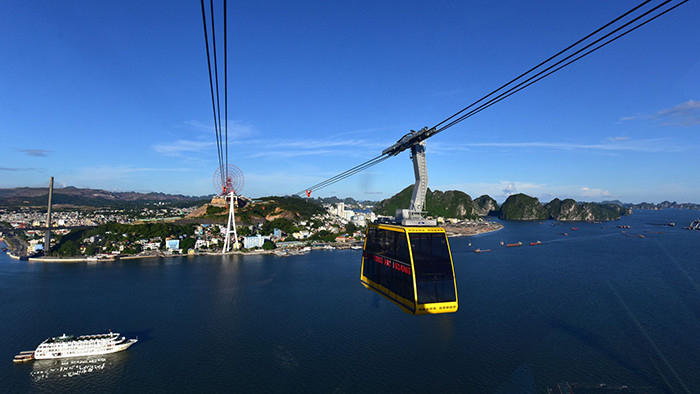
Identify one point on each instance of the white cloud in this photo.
(16, 169)
(110, 177)
(544, 192)
(285, 154)
(322, 144)
(179, 147)
(509, 189)
(593, 193)
(499, 190)
(36, 152)
(683, 114)
(300, 148)
(236, 129)
(613, 144)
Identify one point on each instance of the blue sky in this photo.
(115, 95)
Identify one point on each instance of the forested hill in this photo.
(451, 204)
(281, 209)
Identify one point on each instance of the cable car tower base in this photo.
(231, 224)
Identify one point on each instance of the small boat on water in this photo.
(695, 225)
(535, 243)
(515, 244)
(477, 250)
(23, 357)
(574, 228)
(634, 235)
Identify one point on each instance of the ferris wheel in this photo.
(228, 179)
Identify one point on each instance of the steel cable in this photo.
(523, 84)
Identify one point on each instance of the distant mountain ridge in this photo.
(33, 196)
(661, 205)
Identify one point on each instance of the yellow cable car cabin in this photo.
(408, 261)
(411, 266)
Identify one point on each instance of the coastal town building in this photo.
(172, 244)
(256, 241)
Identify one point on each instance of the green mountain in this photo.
(485, 205)
(570, 210)
(564, 210)
(523, 207)
(451, 204)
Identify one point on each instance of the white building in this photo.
(255, 241)
(303, 234)
(151, 246)
(172, 244)
(347, 215)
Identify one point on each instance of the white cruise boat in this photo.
(85, 345)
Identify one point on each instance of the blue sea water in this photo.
(594, 306)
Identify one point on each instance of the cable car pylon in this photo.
(231, 224)
(415, 140)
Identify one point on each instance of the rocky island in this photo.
(524, 207)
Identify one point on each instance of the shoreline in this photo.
(149, 256)
(462, 230)
(450, 229)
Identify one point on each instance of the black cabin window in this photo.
(391, 247)
(433, 268)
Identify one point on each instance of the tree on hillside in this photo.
(351, 228)
(68, 249)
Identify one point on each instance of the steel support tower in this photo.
(231, 224)
(415, 140)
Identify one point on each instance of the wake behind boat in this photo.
(70, 346)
